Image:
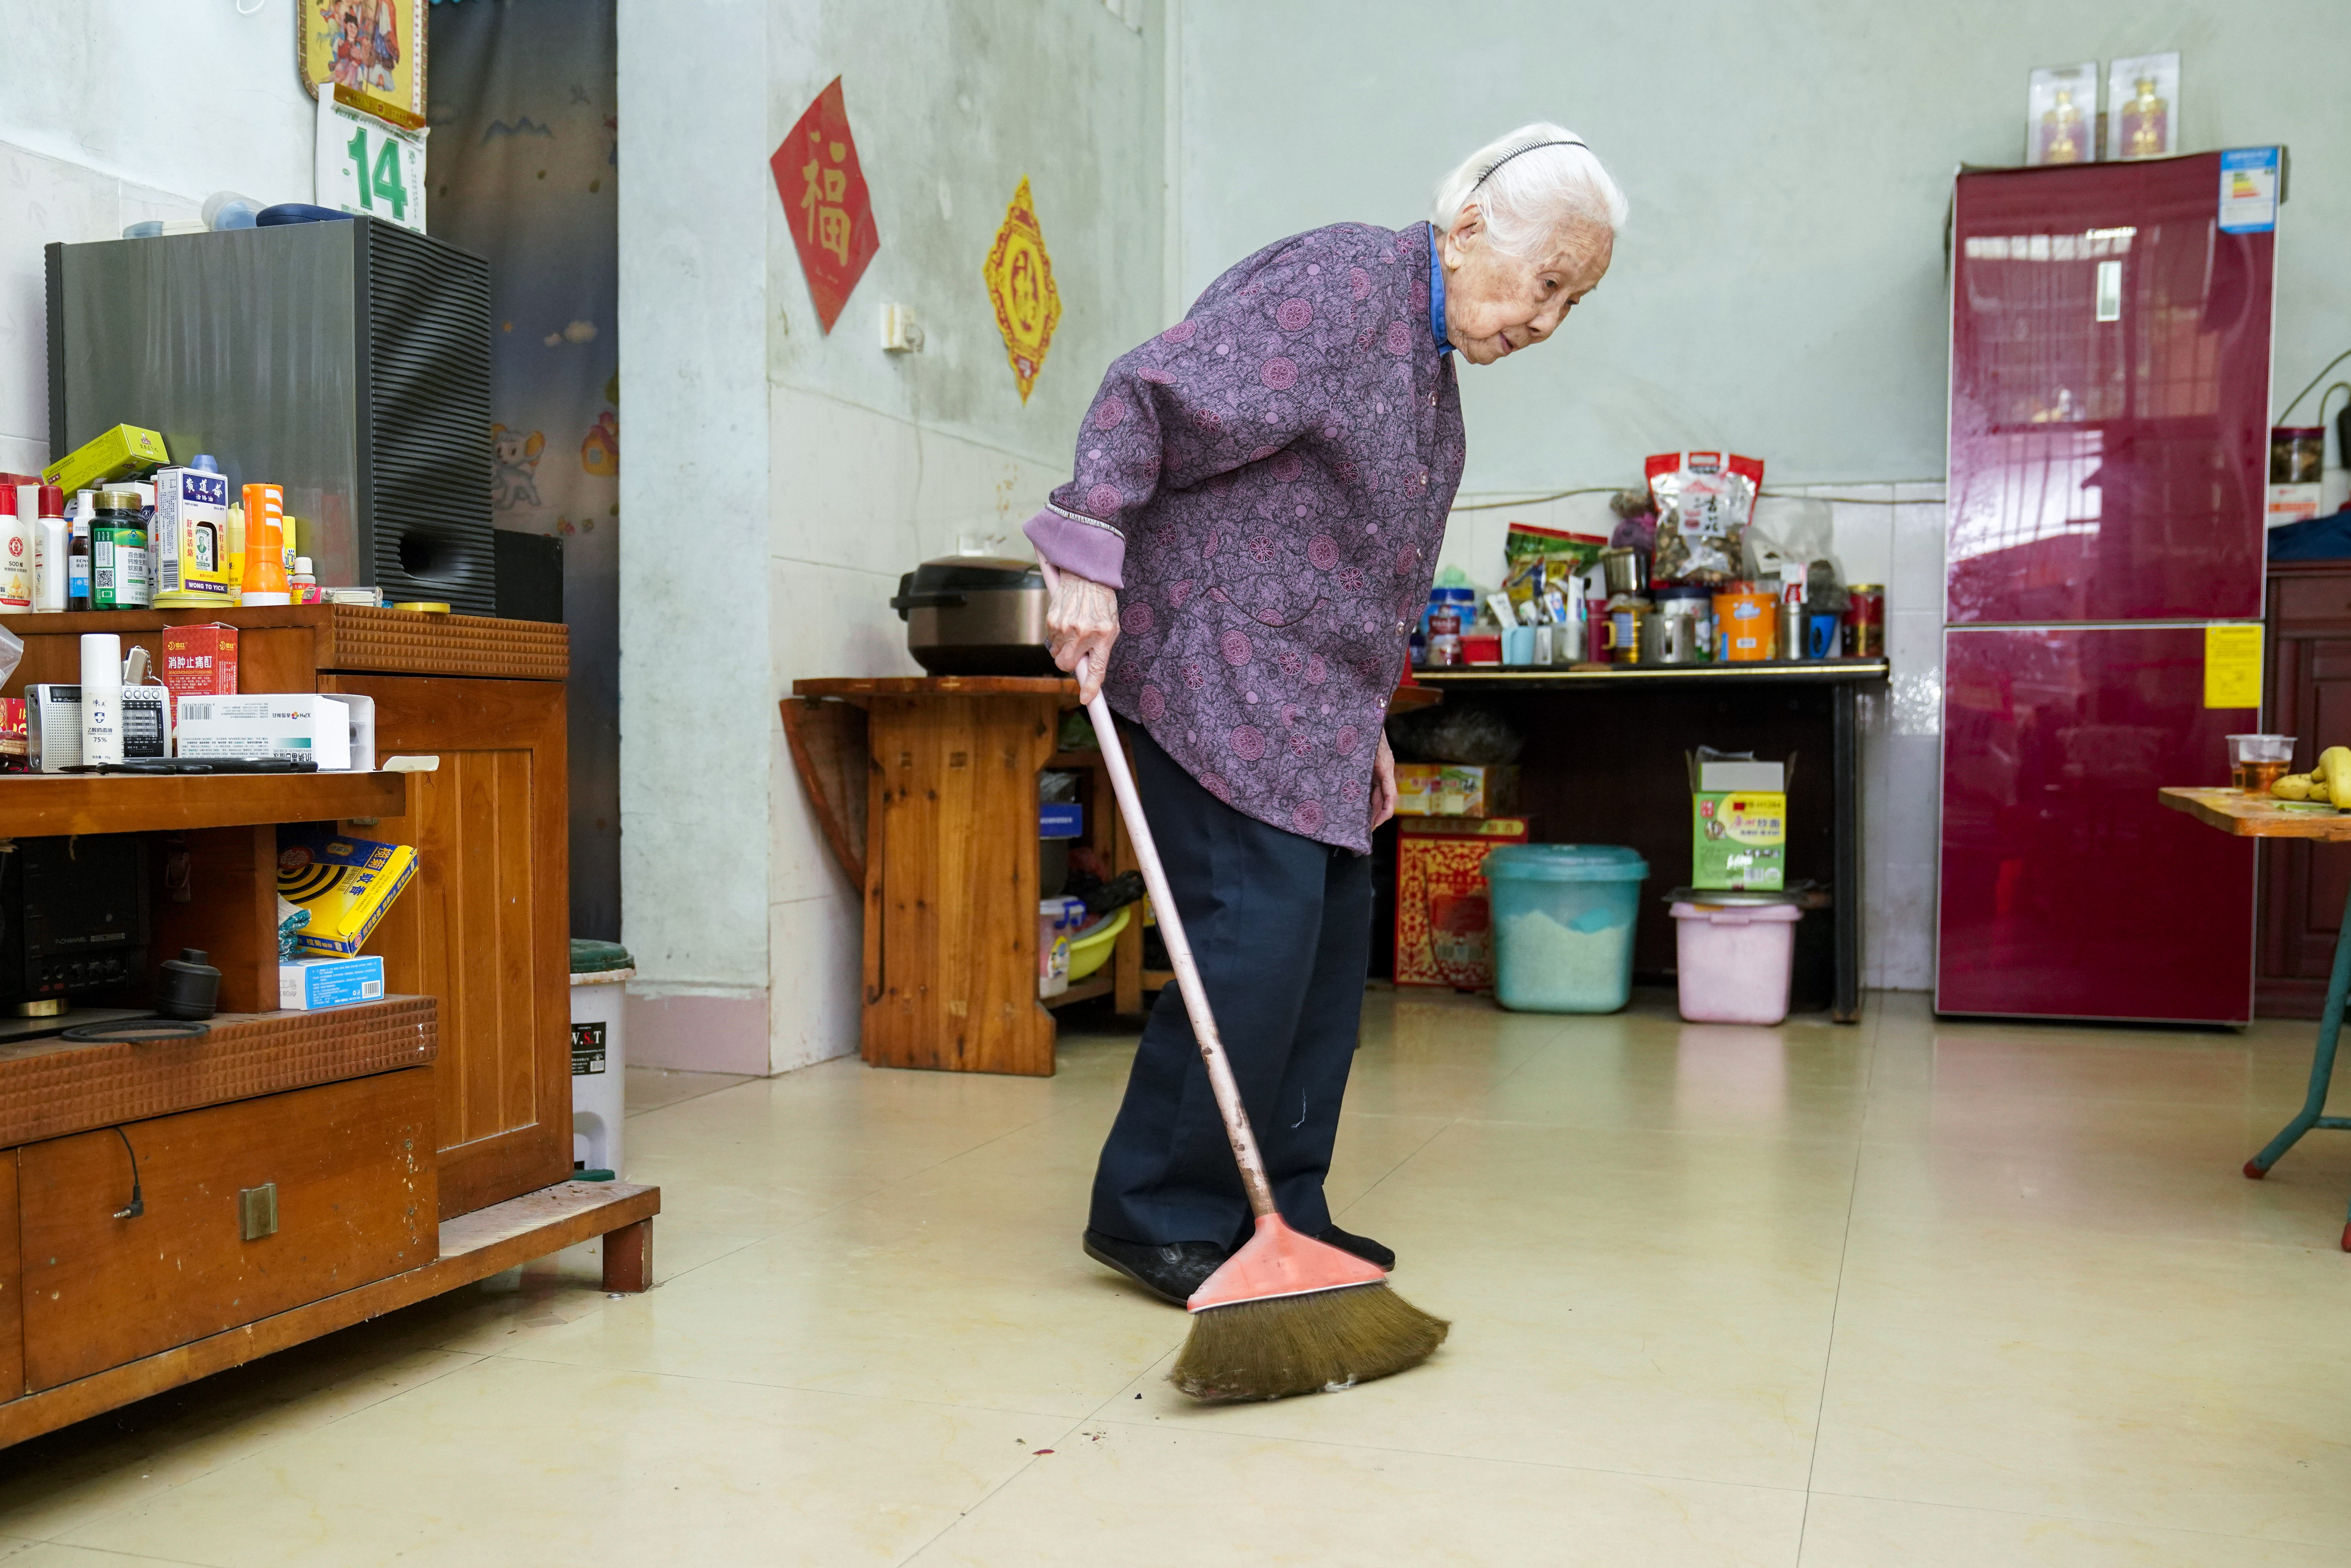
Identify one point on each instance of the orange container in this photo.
(1743, 624)
(265, 559)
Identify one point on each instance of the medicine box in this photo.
(200, 661)
(345, 884)
(189, 541)
(307, 983)
(1456, 790)
(126, 451)
(337, 732)
(1739, 824)
(1443, 925)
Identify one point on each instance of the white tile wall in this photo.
(816, 950)
(45, 201)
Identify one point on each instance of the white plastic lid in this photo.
(302, 564)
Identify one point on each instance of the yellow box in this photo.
(126, 451)
(1456, 790)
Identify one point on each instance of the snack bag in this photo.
(1705, 501)
(1541, 558)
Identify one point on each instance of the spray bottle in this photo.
(265, 546)
(101, 698)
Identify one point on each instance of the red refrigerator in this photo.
(2109, 419)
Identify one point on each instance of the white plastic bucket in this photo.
(1735, 960)
(599, 1059)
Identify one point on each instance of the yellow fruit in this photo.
(2333, 763)
(2295, 787)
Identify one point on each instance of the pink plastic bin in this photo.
(1735, 960)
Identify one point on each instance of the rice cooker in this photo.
(975, 615)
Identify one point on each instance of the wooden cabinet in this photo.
(2309, 697)
(350, 1177)
(484, 927)
(11, 1285)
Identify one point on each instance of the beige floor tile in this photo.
(1996, 1290)
(650, 1088)
(1159, 1496)
(1801, 1081)
(49, 1555)
(1979, 1368)
(512, 1462)
(1872, 1533)
(53, 1484)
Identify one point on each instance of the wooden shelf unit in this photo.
(409, 1145)
(484, 929)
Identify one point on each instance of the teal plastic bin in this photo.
(1563, 925)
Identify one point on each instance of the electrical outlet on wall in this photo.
(901, 333)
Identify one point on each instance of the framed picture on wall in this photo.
(371, 47)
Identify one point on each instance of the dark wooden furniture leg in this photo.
(1846, 914)
(629, 1257)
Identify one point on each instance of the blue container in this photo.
(1563, 925)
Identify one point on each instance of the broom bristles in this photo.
(1323, 1341)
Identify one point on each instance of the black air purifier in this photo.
(347, 361)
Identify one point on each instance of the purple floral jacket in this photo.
(1267, 483)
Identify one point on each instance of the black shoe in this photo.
(1362, 1247)
(1170, 1272)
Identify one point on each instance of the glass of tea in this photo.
(2258, 761)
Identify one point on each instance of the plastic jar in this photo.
(1563, 925)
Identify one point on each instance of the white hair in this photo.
(1530, 185)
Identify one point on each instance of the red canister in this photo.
(1864, 621)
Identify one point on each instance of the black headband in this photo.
(1531, 148)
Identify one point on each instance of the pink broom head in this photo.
(1279, 1261)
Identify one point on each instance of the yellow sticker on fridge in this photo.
(2233, 666)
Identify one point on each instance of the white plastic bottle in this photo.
(50, 545)
(101, 698)
(15, 555)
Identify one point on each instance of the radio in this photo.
(73, 918)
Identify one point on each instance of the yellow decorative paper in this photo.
(2233, 666)
(1020, 285)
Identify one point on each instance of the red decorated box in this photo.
(1444, 928)
(199, 662)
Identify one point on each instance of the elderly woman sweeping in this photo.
(1253, 526)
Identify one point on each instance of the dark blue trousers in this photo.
(1281, 928)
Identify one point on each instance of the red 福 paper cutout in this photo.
(824, 195)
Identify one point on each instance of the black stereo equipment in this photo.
(73, 916)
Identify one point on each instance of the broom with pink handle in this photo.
(1286, 1314)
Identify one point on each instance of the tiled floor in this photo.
(1905, 1293)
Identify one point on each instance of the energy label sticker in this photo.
(2249, 190)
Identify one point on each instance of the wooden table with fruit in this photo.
(2296, 806)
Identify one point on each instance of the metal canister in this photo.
(1623, 569)
(1864, 621)
(1692, 639)
(1791, 643)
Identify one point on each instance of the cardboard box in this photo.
(337, 732)
(199, 662)
(1456, 790)
(1443, 925)
(1738, 824)
(189, 539)
(307, 983)
(126, 451)
(346, 884)
(2294, 503)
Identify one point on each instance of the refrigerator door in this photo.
(2110, 383)
(2066, 891)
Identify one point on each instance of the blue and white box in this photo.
(307, 983)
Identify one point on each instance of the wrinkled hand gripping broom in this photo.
(1286, 1314)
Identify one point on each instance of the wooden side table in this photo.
(950, 860)
(2255, 816)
